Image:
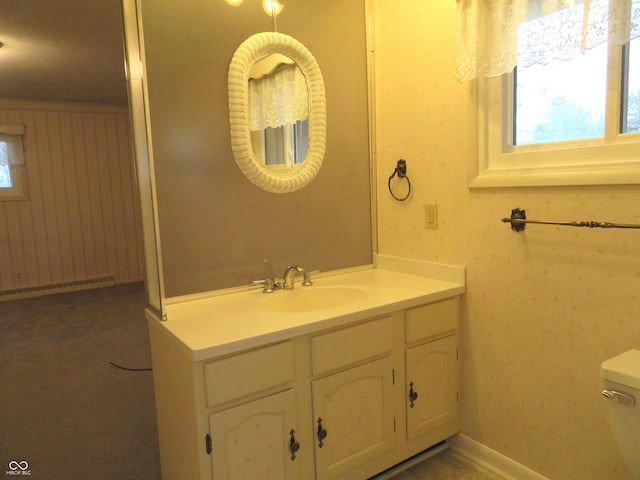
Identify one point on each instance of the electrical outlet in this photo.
(431, 215)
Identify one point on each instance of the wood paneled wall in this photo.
(81, 219)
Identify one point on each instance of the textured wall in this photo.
(82, 216)
(545, 307)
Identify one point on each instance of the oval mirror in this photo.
(277, 112)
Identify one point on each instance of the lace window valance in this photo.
(280, 98)
(488, 31)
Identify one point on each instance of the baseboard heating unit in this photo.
(72, 286)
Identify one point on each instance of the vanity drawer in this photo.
(234, 377)
(432, 319)
(351, 345)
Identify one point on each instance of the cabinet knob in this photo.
(294, 446)
(322, 433)
(413, 395)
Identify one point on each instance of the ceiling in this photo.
(62, 50)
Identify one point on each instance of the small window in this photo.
(562, 118)
(12, 163)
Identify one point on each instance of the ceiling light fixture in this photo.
(272, 7)
(234, 3)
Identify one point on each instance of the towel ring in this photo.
(401, 171)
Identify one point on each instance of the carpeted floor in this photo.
(64, 408)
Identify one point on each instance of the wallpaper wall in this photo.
(544, 307)
(81, 218)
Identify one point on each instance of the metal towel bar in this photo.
(518, 220)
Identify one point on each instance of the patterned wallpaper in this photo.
(544, 307)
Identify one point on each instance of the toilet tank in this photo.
(621, 375)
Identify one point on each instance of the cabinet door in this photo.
(253, 440)
(432, 385)
(354, 409)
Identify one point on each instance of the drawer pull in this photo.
(294, 446)
(322, 433)
(413, 395)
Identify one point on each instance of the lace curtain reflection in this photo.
(277, 99)
(488, 31)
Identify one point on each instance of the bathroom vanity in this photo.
(339, 380)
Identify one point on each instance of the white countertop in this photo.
(224, 324)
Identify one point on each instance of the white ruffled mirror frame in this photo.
(275, 180)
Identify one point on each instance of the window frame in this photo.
(18, 190)
(286, 138)
(612, 159)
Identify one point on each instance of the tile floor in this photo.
(446, 465)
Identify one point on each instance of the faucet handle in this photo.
(267, 284)
(306, 281)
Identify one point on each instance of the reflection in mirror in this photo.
(285, 152)
(278, 111)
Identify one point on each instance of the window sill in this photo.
(19, 190)
(629, 175)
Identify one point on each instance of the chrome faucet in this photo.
(288, 281)
(290, 275)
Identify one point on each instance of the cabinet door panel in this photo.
(252, 440)
(356, 408)
(432, 369)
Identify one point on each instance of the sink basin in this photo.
(307, 299)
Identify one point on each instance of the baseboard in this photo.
(72, 286)
(492, 460)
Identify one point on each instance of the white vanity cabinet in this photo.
(255, 437)
(352, 396)
(333, 403)
(431, 367)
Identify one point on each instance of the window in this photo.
(561, 118)
(286, 145)
(563, 100)
(12, 177)
(278, 111)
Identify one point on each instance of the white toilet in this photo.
(621, 376)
